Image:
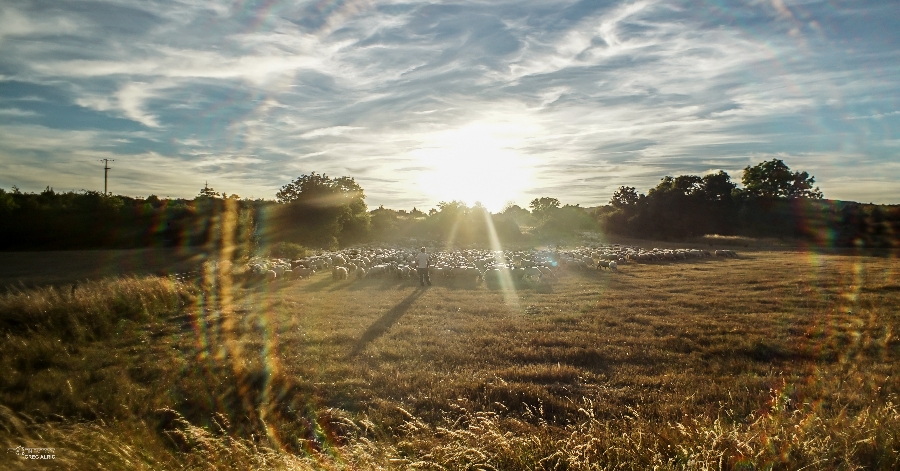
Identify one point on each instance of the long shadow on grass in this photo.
(456, 284)
(381, 283)
(317, 285)
(603, 275)
(382, 325)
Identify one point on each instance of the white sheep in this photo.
(546, 271)
(339, 273)
(532, 273)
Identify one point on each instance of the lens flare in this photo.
(507, 286)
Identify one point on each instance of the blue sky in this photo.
(424, 102)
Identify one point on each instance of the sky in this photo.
(490, 101)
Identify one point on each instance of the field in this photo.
(30, 269)
(779, 359)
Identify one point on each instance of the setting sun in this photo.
(477, 163)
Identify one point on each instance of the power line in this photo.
(106, 172)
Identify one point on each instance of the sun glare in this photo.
(476, 163)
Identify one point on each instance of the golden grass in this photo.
(774, 360)
(91, 308)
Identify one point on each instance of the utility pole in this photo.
(105, 173)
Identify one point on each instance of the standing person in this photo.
(422, 267)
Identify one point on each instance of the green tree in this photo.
(7, 204)
(773, 179)
(207, 192)
(625, 196)
(322, 211)
(518, 214)
(322, 190)
(541, 207)
(717, 186)
(682, 185)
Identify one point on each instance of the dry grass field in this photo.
(775, 360)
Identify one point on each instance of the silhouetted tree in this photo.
(544, 204)
(207, 192)
(518, 214)
(773, 179)
(7, 203)
(717, 186)
(624, 197)
(322, 211)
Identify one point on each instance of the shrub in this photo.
(288, 250)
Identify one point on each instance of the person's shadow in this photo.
(383, 324)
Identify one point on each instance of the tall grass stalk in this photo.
(783, 437)
(91, 310)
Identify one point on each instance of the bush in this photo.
(288, 250)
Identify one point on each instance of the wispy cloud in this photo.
(330, 131)
(15, 23)
(875, 116)
(588, 96)
(15, 112)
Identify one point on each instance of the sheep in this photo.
(466, 273)
(339, 273)
(546, 271)
(492, 275)
(458, 272)
(377, 271)
(532, 273)
(470, 264)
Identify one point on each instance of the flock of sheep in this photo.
(473, 265)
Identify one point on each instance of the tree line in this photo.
(52, 220)
(319, 211)
(773, 202)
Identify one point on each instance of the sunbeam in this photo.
(507, 286)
